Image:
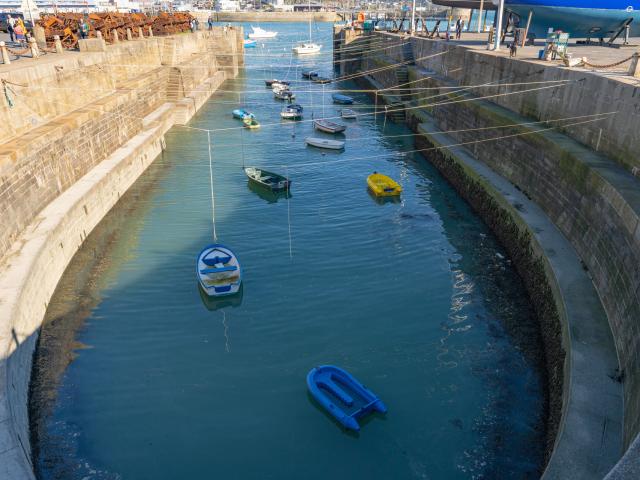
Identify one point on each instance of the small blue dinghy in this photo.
(342, 395)
(342, 99)
(218, 271)
(240, 113)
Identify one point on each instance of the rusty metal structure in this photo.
(67, 25)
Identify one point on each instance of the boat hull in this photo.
(383, 186)
(341, 99)
(579, 18)
(342, 396)
(329, 127)
(324, 143)
(218, 271)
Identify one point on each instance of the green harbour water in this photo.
(138, 377)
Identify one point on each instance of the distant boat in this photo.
(324, 143)
(269, 83)
(383, 186)
(318, 79)
(307, 48)
(328, 127)
(240, 113)
(347, 113)
(249, 43)
(292, 112)
(218, 270)
(284, 95)
(268, 180)
(279, 86)
(261, 33)
(342, 396)
(250, 121)
(309, 74)
(342, 99)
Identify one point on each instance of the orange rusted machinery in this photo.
(67, 25)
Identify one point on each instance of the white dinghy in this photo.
(324, 143)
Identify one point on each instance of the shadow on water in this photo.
(268, 195)
(218, 303)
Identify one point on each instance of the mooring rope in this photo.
(213, 202)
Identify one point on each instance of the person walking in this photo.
(11, 23)
(210, 22)
(458, 28)
(20, 31)
(83, 28)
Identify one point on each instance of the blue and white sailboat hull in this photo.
(580, 18)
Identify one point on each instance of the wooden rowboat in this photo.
(269, 180)
(347, 113)
(342, 99)
(328, 127)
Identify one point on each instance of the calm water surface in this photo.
(138, 378)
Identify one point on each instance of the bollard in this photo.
(140, 34)
(634, 69)
(5, 54)
(129, 35)
(115, 36)
(34, 48)
(150, 31)
(57, 43)
(98, 34)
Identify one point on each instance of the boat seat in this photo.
(211, 261)
(207, 271)
(335, 389)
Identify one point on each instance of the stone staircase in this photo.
(402, 78)
(175, 87)
(407, 54)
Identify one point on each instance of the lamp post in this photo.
(413, 18)
(498, 32)
(480, 15)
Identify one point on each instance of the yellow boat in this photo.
(250, 122)
(383, 186)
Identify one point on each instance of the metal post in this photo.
(5, 54)
(634, 69)
(498, 33)
(480, 15)
(34, 48)
(412, 31)
(57, 43)
(526, 32)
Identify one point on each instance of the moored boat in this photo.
(319, 79)
(247, 43)
(269, 180)
(307, 48)
(261, 33)
(309, 74)
(347, 113)
(218, 270)
(328, 127)
(324, 143)
(383, 186)
(342, 396)
(269, 83)
(342, 99)
(292, 112)
(250, 121)
(240, 113)
(284, 95)
(277, 85)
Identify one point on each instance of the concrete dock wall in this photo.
(61, 177)
(581, 176)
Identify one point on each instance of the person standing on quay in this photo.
(11, 23)
(210, 22)
(459, 28)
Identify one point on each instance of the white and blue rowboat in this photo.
(249, 43)
(328, 127)
(342, 99)
(218, 271)
(240, 113)
(324, 143)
